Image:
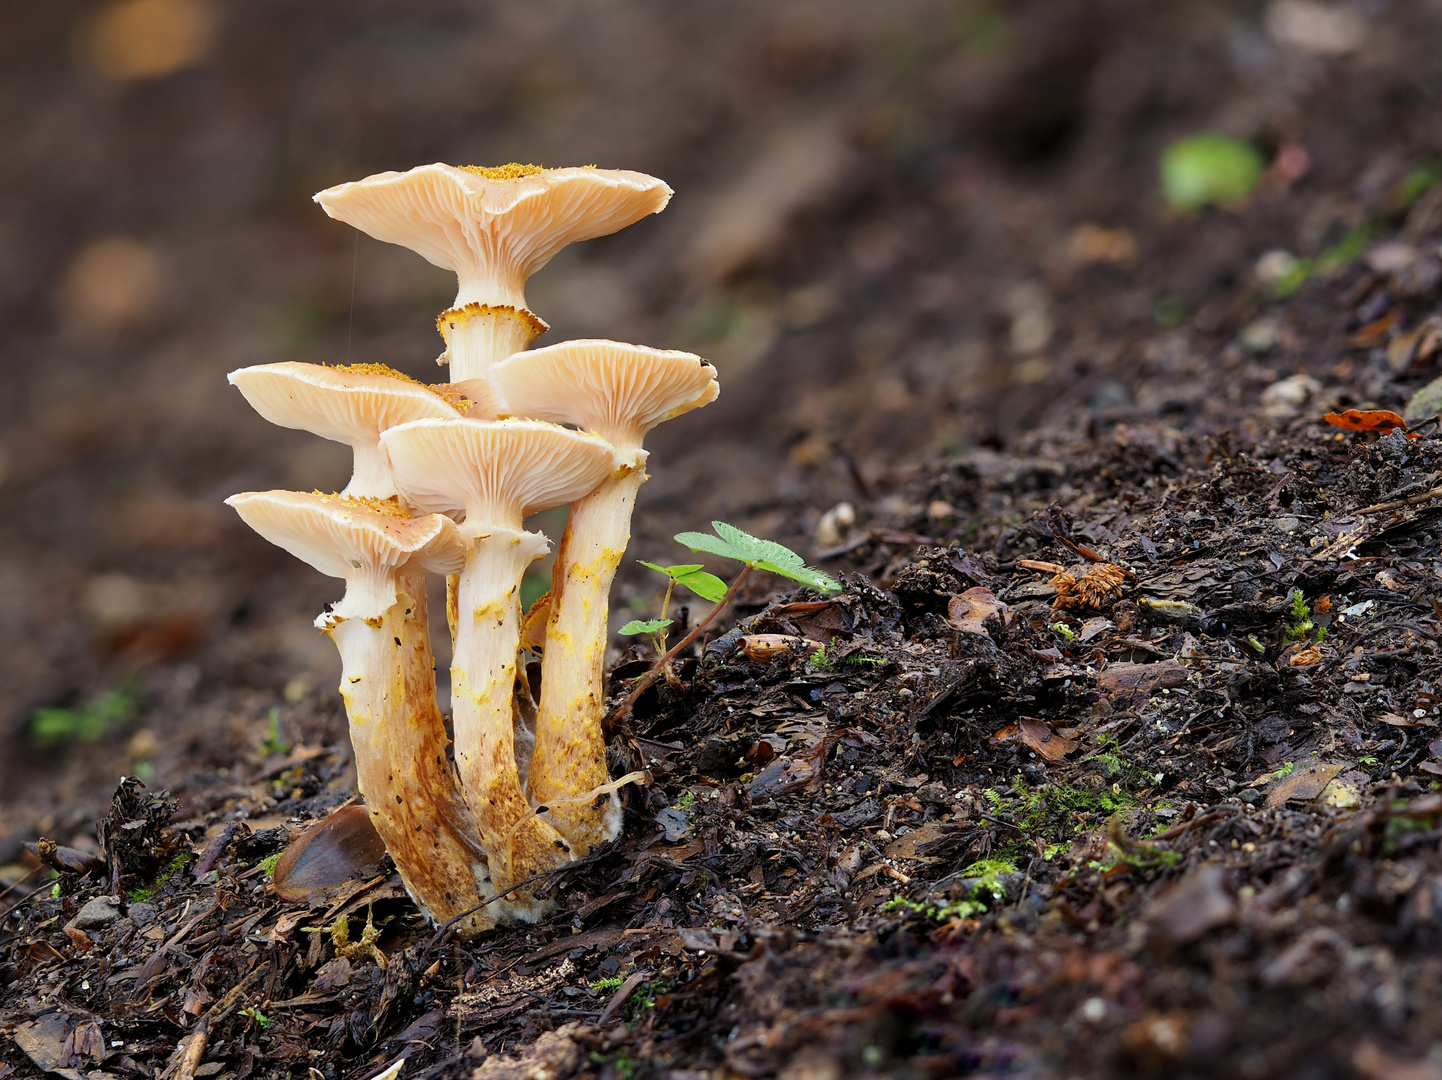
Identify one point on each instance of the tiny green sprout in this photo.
(1286, 770)
(274, 745)
(694, 577)
(1064, 630)
(644, 626)
(686, 800)
(1367, 759)
(601, 986)
(1300, 626)
(262, 1021)
(1416, 184)
(820, 661)
(55, 891)
(83, 723)
(1255, 643)
(1209, 168)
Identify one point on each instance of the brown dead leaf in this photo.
(1303, 785)
(329, 854)
(1044, 741)
(970, 611)
(1306, 657)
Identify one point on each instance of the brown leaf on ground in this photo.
(1096, 590)
(1303, 785)
(1306, 657)
(332, 852)
(970, 611)
(1200, 902)
(1044, 741)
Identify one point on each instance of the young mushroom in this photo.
(498, 473)
(388, 682)
(619, 392)
(350, 405)
(494, 227)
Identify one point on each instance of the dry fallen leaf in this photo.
(1306, 657)
(969, 611)
(1303, 785)
(1044, 741)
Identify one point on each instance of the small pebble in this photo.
(102, 911)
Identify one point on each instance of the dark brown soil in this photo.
(1175, 813)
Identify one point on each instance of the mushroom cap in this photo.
(619, 391)
(494, 227)
(498, 472)
(349, 405)
(361, 540)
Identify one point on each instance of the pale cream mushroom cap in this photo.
(616, 390)
(348, 405)
(364, 541)
(498, 472)
(494, 227)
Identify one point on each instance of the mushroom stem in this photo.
(483, 680)
(570, 755)
(478, 335)
(388, 684)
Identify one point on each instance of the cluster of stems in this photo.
(445, 476)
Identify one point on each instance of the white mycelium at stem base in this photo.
(620, 392)
(494, 227)
(381, 629)
(497, 473)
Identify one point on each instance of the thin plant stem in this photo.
(660, 665)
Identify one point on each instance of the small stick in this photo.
(659, 666)
(1397, 504)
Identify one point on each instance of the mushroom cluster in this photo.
(443, 479)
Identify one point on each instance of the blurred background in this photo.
(903, 230)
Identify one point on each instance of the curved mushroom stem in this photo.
(388, 683)
(570, 755)
(483, 680)
(478, 335)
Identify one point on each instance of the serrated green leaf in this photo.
(804, 574)
(706, 586)
(712, 545)
(733, 543)
(644, 626)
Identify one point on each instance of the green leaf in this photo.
(675, 573)
(733, 543)
(1209, 169)
(706, 586)
(644, 626)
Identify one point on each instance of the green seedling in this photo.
(261, 1020)
(686, 800)
(1209, 169)
(1064, 630)
(1285, 771)
(821, 661)
(1337, 257)
(274, 745)
(1300, 626)
(1256, 644)
(1416, 184)
(606, 985)
(83, 723)
(146, 892)
(729, 542)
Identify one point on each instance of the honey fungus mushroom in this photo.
(497, 473)
(388, 682)
(620, 392)
(351, 405)
(494, 227)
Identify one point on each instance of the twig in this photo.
(1397, 504)
(624, 709)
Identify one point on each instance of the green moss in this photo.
(268, 864)
(146, 892)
